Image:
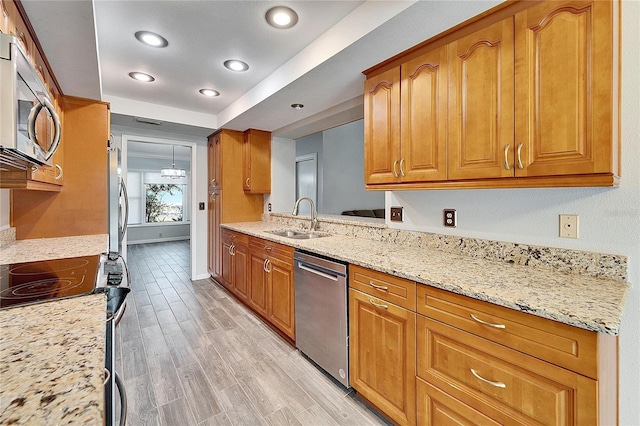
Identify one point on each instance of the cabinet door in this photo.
(227, 265)
(424, 118)
(258, 289)
(256, 159)
(382, 128)
(240, 272)
(281, 296)
(481, 73)
(382, 355)
(565, 97)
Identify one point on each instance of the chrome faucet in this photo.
(314, 213)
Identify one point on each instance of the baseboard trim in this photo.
(157, 240)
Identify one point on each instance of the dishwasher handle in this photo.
(311, 269)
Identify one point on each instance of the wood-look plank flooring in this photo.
(190, 354)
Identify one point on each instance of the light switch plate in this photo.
(397, 214)
(569, 225)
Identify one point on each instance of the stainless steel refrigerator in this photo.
(118, 201)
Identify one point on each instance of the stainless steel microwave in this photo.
(29, 125)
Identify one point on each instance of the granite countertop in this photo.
(53, 248)
(587, 302)
(52, 362)
(52, 353)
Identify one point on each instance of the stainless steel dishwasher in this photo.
(322, 328)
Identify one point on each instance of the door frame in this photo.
(313, 156)
(194, 199)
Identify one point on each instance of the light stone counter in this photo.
(52, 362)
(53, 248)
(52, 353)
(590, 302)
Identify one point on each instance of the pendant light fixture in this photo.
(173, 173)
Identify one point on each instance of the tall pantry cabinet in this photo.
(228, 202)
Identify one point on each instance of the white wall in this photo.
(283, 185)
(609, 217)
(5, 209)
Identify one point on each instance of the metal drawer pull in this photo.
(395, 173)
(378, 287)
(377, 305)
(247, 183)
(520, 166)
(267, 263)
(107, 376)
(475, 318)
(506, 158)
(496, 384)
(402, 167)
(59, 174)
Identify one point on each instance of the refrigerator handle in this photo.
(126, 209)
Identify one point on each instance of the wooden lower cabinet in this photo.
(436, 407)
(271, 286)
(382, 355)
(235, 260)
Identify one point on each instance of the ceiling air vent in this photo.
(147, 121)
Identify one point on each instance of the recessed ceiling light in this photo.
(297, 106)
(236, 65)
(281, 17)
(151, 39)
(140, 76)
(209, 92)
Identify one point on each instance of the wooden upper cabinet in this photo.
(481, 103)
(256, 162)
(382, 128)
(5, 20)
(566, 103)
(424, 117)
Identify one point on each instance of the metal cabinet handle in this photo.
(267, 248)
(506, 157)
(496, 384)
(378, 287)
(395, 173)
(520, 166)
(246, 182)
(212, 197)
(123, 400)
(475, 318)
(267, 262)
(213, 182)
(378, 305)
(402, 167)
(314, 271)
(120, 313)
(107, 376)
(231, 252)
(60, 172)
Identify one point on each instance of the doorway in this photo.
(307, 180)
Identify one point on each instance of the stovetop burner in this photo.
(32, 282)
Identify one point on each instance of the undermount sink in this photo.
(298, 235)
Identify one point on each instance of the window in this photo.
(164, 202)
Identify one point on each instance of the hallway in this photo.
(190, 354)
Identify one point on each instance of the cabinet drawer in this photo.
(560, 344)
(436, 407)
(233, 237)
(507, 385)
(271, 249)
(386, 287)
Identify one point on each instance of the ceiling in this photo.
(91, 48)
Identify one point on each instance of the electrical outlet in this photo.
(397, 214)
(269, 207)
(569, 225)
(201, 206)
(450, 218)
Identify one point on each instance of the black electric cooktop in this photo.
(34, 282)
